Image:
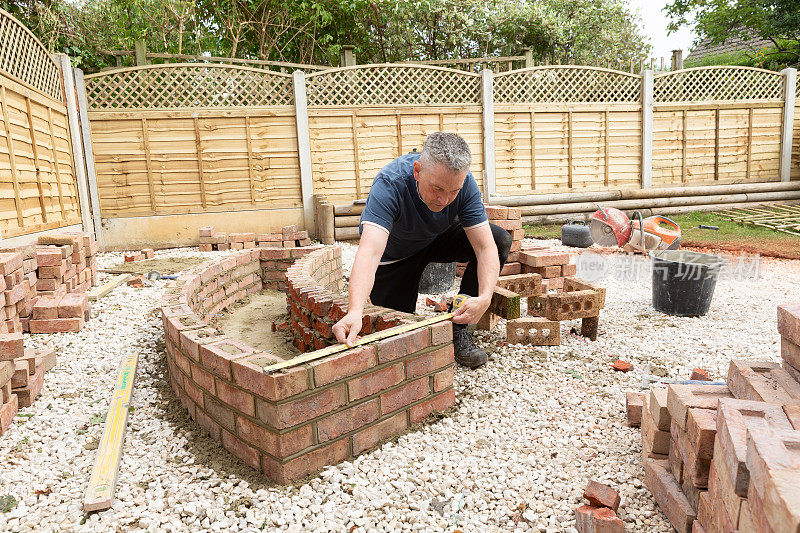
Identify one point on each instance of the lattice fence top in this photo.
(566, 83)
(393, 85)
(714, 84)
(23, 56)
(188, 85)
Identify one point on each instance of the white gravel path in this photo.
(528, 430)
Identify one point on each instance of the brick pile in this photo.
(510, 219)
(276, 261)
(578, 301)
(600, 514)
(552, 265)
(721, 458)
(292, 423)
(17, 292)
(66, 269)
(141, 255)
(285, 237)
(21, 375)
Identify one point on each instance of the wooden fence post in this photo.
(677, 59)
(348, 56)
(140, 53)
(787, 130)
(75, 137)
(647, 129)
(88, 154)
(304, 149)
(528, 53)
(487, 93)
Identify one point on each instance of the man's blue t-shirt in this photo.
(395, 205)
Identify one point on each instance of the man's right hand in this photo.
(346, 330)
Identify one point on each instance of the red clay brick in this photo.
(401, 345)
(669, 496)
(300, 410)
(246, 453)
(12, 346)
(193, 391)
(237, 398)
(590, 519)
(343, 365)
(225, 416)
(404, 395)
(203, 378)
(659, 409)
(367, 385)
(682, 397)
(429, 362)
(701, 430)
(439, 404)
(217, 356)
(7, 413)
(249, 374)
(48, 257)
(780, 500)
(372, 436)
(57, 325)
(45, 308)
(789, 322)
(441, 333)
(601, 495)
(277, 445)
(443, 379)
(73, 305)
(634, 403)
(308, 463)
(206, 422)
(769, 450)
(793, 414)
(191, 340)
(26, 395)
(350, 419)
(762, 381)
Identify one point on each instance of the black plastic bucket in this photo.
(683, 281)
(437, 278)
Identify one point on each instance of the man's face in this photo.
(438, 185)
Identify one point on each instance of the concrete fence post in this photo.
(88, 154)
(647, 129)
(78, 159)
(304, 149)
(487, 94)
(787, 129)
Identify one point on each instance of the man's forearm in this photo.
(362, 277)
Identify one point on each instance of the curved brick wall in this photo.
(292, 423)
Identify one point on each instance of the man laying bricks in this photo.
(426, 208)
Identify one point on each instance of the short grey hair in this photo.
(448, 149)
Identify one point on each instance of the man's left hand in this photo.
(471, 310)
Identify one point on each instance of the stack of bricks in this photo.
(292, 423)
(577, 301)
(552, 265)
(721, 458)
(211, 240)
(790, 338)
(285, 237)
(600, 514)
(21, 375)
(141, 255)
(67, 268)
(510, 219)
(17, 292)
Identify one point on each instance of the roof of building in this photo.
(735, 43)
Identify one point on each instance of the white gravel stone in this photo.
(529, 429)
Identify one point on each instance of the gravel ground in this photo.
(527, 432)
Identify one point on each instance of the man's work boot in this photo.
(466, 353)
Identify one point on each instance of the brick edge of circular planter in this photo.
(292, 423)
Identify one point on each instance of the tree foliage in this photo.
(313, 31)
(777, 21)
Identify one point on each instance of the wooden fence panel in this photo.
(173, 162)
(37, 188)
(582, 149)
(350, 146)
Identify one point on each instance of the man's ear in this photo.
(417, 169)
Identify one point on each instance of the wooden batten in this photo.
(11, 159)
(36, 162)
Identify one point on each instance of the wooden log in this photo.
(346, 222)
(326, 223)
(663, 192)
(346, 234)
(344, 210)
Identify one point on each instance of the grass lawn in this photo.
(732, 236)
